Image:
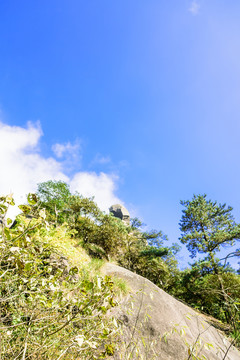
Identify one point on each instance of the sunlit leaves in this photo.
(32, 199)
(25, 208)
(41, 293)
(3, 208)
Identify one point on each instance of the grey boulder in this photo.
(157, 326)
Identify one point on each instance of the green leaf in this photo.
(103, 309)
(20, 265)
(73, 270)
(32, 199)
(88, 285)
(3, 209)
(110, 349)
(25, 208)
(28, 266)
(7, 233)
(112, 302)
(10, 200)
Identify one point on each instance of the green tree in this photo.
(101, 234)
(206, 226)
(54, 197)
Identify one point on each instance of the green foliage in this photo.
(145, 254)
(54, 197)
(199, 287)
(48, 309)
(210, 286)
(206, 225)
(151, 252)
(85, 207)
(136, 224)
(98, 233)
(103, 235)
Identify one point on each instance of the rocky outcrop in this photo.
(120, 212)
(157, 326)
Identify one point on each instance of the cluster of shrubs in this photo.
(59, 311)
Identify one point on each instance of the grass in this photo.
(121, 286)
(61, 239)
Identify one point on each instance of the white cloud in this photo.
(194, 7)
(66, 149)
(100, 186)
(23, 167)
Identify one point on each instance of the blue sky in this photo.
(131, 101)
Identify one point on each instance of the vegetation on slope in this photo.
(53, 307)
(50, 308)
(208, 285)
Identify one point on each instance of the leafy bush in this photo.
(48, 308)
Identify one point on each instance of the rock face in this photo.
(157, 326)
(120, 212)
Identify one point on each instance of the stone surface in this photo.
(157, 326)
(120, 212)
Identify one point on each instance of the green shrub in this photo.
(48, 308)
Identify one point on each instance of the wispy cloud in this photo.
(194, 7)
(23, 167)
(69, 154)
(100, 159)
(61, 150)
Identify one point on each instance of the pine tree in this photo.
(207, 225)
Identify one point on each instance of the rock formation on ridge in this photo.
(120, 212)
